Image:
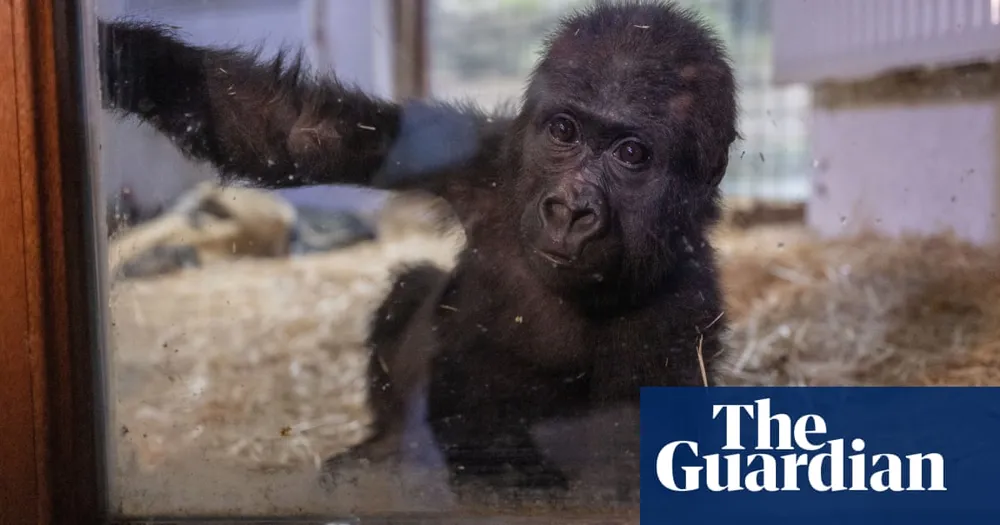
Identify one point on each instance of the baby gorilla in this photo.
(587, 272)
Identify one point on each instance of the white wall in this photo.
(920, 169)
(357, 41)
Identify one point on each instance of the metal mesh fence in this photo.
(483, 50)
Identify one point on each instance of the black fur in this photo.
(583, 278)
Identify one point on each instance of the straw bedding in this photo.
(259, 364)
(865, 310)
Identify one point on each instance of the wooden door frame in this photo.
(410, 57)
(50, 458)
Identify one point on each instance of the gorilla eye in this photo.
(632, 153)
(563, 129)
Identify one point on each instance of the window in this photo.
(485, 51)
(177, 348)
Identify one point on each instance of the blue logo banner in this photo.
(820, 455)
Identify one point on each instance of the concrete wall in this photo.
(898, 148)
(356, 42)
(899, 169)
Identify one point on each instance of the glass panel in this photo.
(393, 307)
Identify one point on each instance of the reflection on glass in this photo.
(241, 315)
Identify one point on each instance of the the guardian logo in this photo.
(808, 458)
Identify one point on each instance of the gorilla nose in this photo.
(570, 221)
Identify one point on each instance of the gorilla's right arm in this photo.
(273, 125)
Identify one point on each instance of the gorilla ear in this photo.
(712, 155)
(718, 161)
(717, 169)
(720, 170)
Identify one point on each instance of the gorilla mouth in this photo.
(554, 258)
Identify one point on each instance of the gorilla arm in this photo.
(270, 124)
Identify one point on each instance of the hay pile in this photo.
(863, 310)
(258, 359)
(748, 212)
(258, 364)
(216, 222)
